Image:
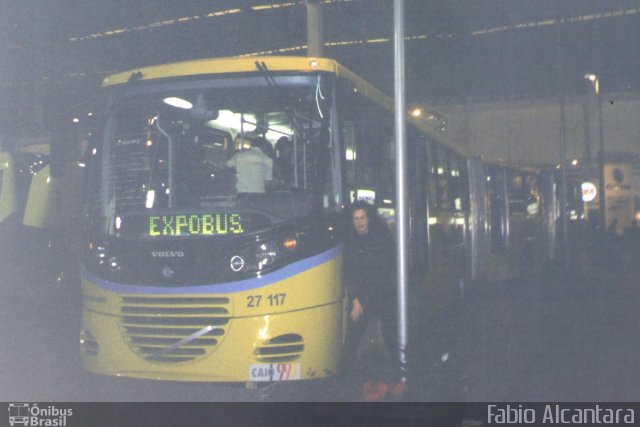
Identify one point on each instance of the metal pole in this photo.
(170, 164)
(563, 140)
(563, 191)
(401, 184)
(315, 41)
(586, 114)
(603, 210)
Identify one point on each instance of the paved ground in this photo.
(556, 339)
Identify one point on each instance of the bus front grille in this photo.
(173, 329)
(280, 349)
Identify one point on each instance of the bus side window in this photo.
(367, 138)
(524, 197)
(441, 174)
(348, 137)
(497, 208)
(532, 197)
(448, 204)
(516, 193)
(459, 194)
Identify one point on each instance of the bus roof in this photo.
(240, 65)
(224, 66)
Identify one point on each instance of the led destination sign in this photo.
(195, 225)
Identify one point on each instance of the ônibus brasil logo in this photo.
(27, 414)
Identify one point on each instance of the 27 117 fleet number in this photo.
(272, 300)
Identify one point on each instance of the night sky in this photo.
(484, 49)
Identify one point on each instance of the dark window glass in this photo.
(497, 208)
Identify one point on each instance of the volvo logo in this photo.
(168, 272)
(167, 254)
(237, 263)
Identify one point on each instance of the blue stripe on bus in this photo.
(225, 288)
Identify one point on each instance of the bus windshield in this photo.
(168, 149)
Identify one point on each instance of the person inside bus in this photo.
(284, 162)
(253, 167)
(267, 148)
(369, 268)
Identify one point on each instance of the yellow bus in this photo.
(185, 277)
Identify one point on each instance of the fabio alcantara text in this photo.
(557, 414)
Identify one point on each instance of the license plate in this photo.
(274, 372)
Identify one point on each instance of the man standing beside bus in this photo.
(369, 264)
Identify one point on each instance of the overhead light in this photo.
(178, 102)
(231, 121)
(593, 78)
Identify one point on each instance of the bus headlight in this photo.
(266, 255)
(113, 265)
(100, 253)
(100, 256)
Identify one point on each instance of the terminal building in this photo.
(529, 132)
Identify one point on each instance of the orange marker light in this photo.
(290, 244)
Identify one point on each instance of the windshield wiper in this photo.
(264, 72)
(169, 160)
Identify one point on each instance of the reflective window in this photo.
(170, 149)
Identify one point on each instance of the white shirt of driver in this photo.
(253, 169)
